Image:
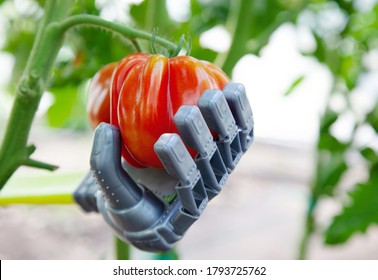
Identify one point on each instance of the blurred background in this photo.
(308, 186)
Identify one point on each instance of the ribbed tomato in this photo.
(146, 91)
(98, 103)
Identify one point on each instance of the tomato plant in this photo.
(145, 91)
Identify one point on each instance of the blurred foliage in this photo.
(344, 47)
(345, 31)
(357, 215)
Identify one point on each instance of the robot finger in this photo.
(241, 110)
(219, 118)
(85, 194)
(178, 163)
(195, 133)
(130, 206)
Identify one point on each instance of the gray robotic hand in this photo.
(132, 210)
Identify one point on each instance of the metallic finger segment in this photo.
(218, 117)
(85, 194)
(241, 109)
(178, 162)
(157, 238)
(195, 133)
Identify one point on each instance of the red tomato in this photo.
(98, 103)
(146, 92)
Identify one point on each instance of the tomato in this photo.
(98, 103)
(146, 91)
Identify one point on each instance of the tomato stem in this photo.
(126, 31)
(180, 44)
(136, 45)
(153, 41)
(239, 24)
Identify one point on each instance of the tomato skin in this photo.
(98, 103)
(147, 90)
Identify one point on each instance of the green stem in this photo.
(316, 193)
(152, 14)
(14, 151)
(39, 164)
(131, 33)
(30, 149)
(136, 45)
(122, 250)
(156, 16)
(309, 228)
(239, 24)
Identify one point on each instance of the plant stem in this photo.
(309, 228)
(95, 21)
(39, 164)
(156, 16)
(122, 250)
(239, 24)
(14, 151)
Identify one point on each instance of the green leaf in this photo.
(320, 50)
(19, 43)
(369, 154)
(59, 113)
(330, 168)
(350, 69)
(330, 143)
(327, 120)
(201, 53)
(92, 49)
(372, 118)
(357, 215)
(216, 14)
(294, 85)
(68, 109)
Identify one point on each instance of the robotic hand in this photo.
(135, 213)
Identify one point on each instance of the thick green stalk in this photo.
(157, 16)
(14, 151)
(239, 24)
